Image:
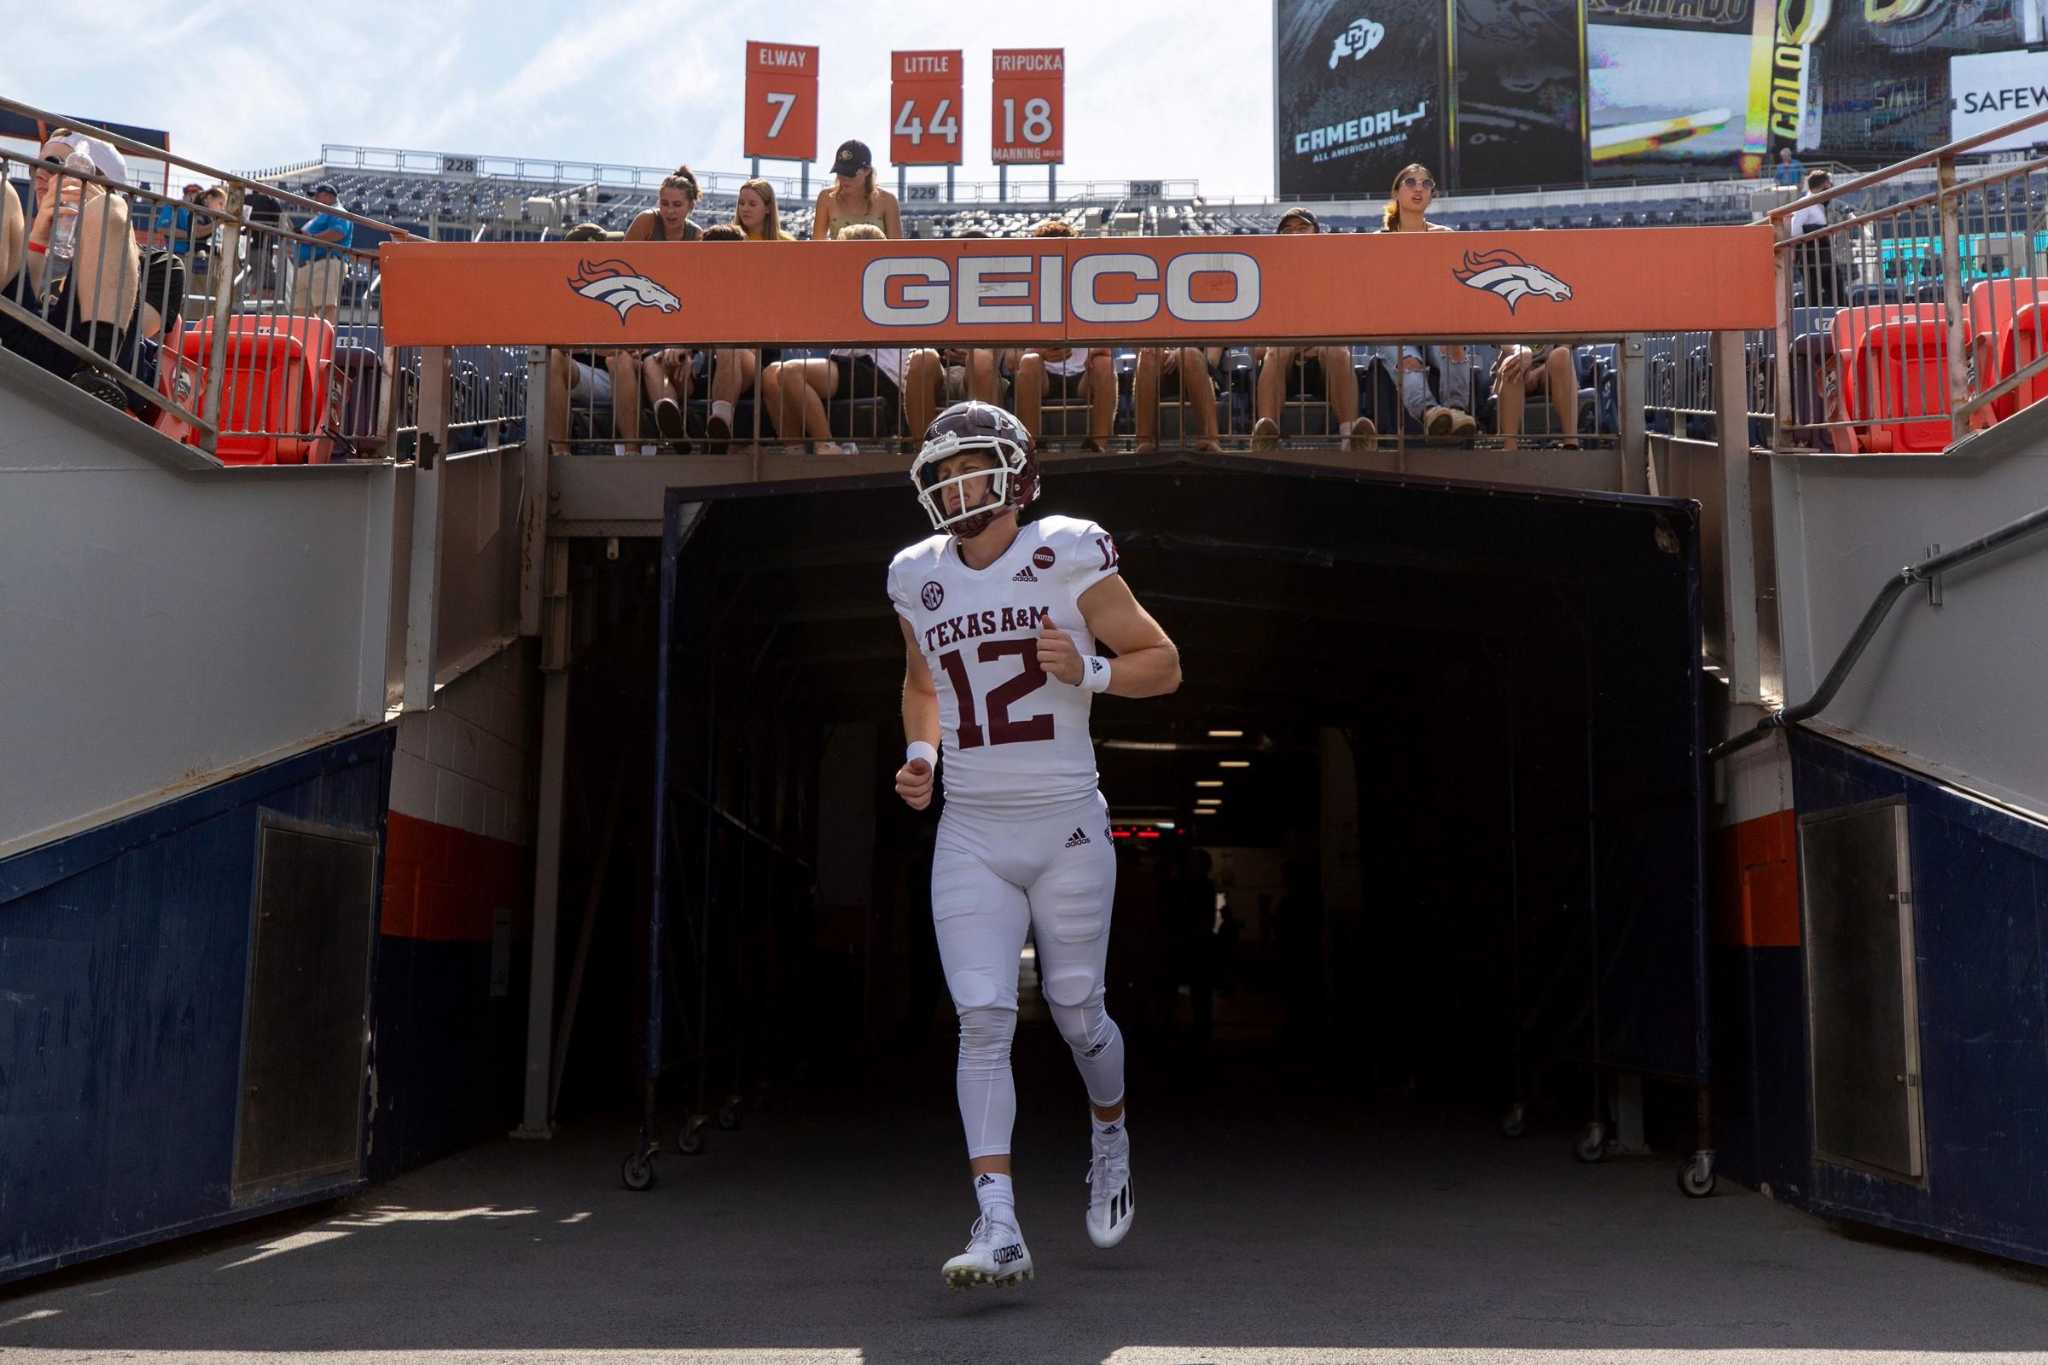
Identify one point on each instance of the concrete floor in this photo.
(1277, 1223)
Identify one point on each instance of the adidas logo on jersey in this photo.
(1024, 575)
(1077, 838)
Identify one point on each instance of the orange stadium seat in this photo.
(1896, 381)
(1868, 383)
(276, 382)
(2025, 341)
(1995, 309)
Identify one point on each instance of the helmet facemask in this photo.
(970, 521)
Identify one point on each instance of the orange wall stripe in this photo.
(447, 884)
(1348, 286)
(1756, 896)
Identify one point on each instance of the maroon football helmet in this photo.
(967, 428)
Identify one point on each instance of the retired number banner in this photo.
(1027, 116)
(924, 108)
(782, 102)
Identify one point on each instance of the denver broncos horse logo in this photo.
(1508, 275)
(614, 284)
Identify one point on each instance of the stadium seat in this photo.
(2026, 341)
(276, 389)
(1995, 309)
(1896, 383)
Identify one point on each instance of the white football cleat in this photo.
(995, 1255)
(1111, 1208)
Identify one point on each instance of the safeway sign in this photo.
(1991, 88)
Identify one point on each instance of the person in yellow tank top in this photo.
(854, 198)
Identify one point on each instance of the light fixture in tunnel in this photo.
(1235, 763)
(1208, 801)
(1209, 782)
(1226, 734)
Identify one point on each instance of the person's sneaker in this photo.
(995, 1255)
(668, 420)
(718, 426)
(1437, 422)
(1362, 435)
(1265, 434)
(1464, 425)
(1111, 1209)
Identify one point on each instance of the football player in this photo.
(1001, 622)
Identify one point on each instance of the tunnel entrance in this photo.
(1427, 807)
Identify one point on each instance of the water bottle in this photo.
(63, 230)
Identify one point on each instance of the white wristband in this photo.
(917, 749)
(1094, 673)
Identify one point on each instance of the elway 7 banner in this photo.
(1081, 291)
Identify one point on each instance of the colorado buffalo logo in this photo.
(1042, 557)
(932, 595)
(1508, 275)
(614, 284)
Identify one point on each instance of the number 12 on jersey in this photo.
(1001, 729)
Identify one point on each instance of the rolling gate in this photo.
(1601, 936)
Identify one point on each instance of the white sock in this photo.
(722, 409)
(998, 1198)
(1111, 1131)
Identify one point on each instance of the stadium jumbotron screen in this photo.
(1511, 94)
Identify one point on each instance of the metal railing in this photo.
(226, 324)
(742, 400)
(1906, 326)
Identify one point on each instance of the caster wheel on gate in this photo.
(690, 1138)
(637, 1171)
(1696, 1178)
(1514, 1123)
(1592, 1143)
(729, 1116)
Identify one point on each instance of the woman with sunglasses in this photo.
(1447, 412)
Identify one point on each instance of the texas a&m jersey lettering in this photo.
(1013, 737)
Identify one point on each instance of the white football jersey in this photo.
(1015, 739)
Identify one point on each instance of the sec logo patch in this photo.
(932, 595)
(1042, 556)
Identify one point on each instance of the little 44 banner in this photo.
(924, 108)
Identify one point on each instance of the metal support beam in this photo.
(547, 859)
(1738, 536)
(533, 492)
(1952, 297)
(1635, 470)
(423, 606)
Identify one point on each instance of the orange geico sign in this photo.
(1081, 290)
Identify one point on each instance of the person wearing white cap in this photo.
(95, 298)
(106, 159)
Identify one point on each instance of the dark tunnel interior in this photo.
(1426, 808)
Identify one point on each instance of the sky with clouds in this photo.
(244, 84)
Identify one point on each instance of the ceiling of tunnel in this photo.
(1297, 600)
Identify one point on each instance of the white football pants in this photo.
(992, 879)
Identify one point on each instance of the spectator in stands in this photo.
(1088, 375)
(172, 227)
(265, 213)
(316, 285)
(1446, 411)
(104, 157)
(594, 376)
(756, 218)
(1194, 371)
(13, 229)
(1533, 368)
(1818, 274)
(669, 220)
(96, 299)
(667, 374)
(797, 391)
(1277, 365)
(854, 198)
(1789, 169)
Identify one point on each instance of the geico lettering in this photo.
(981, 298)
(925, 296)
(1089, 269)
(1244, 275)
